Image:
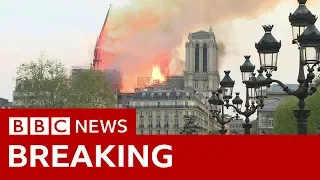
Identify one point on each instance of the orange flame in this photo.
(157, 75)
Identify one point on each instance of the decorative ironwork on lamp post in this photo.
(216, 107)
(252, 87)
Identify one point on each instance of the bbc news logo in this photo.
(39, 126)
(62, 126)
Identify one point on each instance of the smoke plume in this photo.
(147, 33)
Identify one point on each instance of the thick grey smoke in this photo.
(147, 33)
(221, 50)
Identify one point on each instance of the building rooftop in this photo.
(201, 35)
(271, 106)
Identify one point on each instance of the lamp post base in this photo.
(223, 131)
(247, 126)
(302, 116)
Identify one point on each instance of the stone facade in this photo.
(201, 67)
(164, 112)
(123, 99)
(235, 126)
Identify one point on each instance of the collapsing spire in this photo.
(101, 38)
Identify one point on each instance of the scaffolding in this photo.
(143, 82)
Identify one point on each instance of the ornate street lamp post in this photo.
(217, 107)
(252, 86)
(307, 37)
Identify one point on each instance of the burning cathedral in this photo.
(164, 105)
(180, 100)
(201, 75)
(201, 66)
(200, 72)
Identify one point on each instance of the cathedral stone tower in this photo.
(201, 65)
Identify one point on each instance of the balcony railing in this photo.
(158, 126)
(141, 126)
(150, 126)
(190, 116)
(199, 107)
(166, 125)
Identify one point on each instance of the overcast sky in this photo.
(67, 30)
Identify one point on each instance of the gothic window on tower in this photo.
(205, 58)
(196, 58)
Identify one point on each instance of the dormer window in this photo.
(168, 94)
(178, 95)
(159, 95)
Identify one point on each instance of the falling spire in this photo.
(101, 38)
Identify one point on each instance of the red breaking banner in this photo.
(101, 144)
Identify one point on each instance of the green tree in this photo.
(286, 123)
(44, 83)
(89, 88)
(41, 83)
(214, 131)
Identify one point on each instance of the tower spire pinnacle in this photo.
(105, 21)
(211, 30)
